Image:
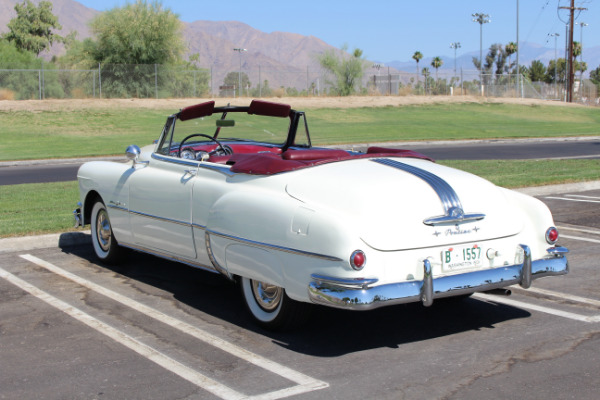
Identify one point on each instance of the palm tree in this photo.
(417, 57)
(436, 63)
(426, 74)
(576, 50)
(510, 49)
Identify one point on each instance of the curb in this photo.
(67, 239)
(59, 240)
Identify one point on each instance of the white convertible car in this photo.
(240, 191)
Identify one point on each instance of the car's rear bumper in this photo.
(363, 294)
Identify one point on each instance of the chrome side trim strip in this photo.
(115, 207)
(196, 164)
(218, 168)
(169, 257)
(336, 292)
(174, 221)
(451, 203)
(273, 247)
(175, 160)
(212, 258)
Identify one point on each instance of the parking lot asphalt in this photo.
(71, 327)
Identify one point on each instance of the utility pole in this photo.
(570, 74)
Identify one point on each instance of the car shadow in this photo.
(329, 332)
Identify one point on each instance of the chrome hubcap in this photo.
(103, 230)
(267, 296)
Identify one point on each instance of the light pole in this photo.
(455, 45)
(239, 50)
(555, 35)
(481, 19)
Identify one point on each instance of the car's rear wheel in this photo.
(270, 307)
(103, 240)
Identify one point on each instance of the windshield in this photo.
(237, 126)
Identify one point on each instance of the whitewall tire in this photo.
(270, 307)
(103, 240)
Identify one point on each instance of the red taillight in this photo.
(358, 259)
(552, 235)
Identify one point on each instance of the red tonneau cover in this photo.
(291, 160)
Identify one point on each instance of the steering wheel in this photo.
(222, 149)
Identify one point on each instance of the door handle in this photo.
(190, 172)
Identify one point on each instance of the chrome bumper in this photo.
(360, 294)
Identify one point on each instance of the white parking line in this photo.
(305, 382)
(527, 306)
(565, 296)
(580, 238)
(582, 196)
(570, 228)
(148, 352)
(568, 199)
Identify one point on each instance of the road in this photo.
(12, 174)
(151, 329)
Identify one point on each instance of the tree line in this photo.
(129, 42)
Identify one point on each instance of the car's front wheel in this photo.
(103, 240)
(270, 307)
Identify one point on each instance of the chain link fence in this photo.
(160, 82)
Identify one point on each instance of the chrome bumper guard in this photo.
(360, 294)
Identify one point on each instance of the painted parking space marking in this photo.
(118, 336)
(304, 383)
(564, 296)
(580, 196)
(572, 199)
(580, 238)
(543, 309)
(584, 230)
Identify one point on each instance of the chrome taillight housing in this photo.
(358, 260)
(552, 235)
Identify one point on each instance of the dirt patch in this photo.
(296, 102)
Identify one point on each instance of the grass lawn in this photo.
(37, 208)
(95, 132)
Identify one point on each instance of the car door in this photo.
(160, 199)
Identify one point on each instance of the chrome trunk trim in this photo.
(338, 293)
(453, 209)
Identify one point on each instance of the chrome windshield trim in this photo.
(273, 247)
(451, 203)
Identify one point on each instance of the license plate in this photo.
(455, 258)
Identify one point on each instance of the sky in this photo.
(388, 30)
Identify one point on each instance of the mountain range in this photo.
(214, 41)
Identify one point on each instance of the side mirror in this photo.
(133, 153)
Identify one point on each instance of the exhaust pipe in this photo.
(499, 292)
